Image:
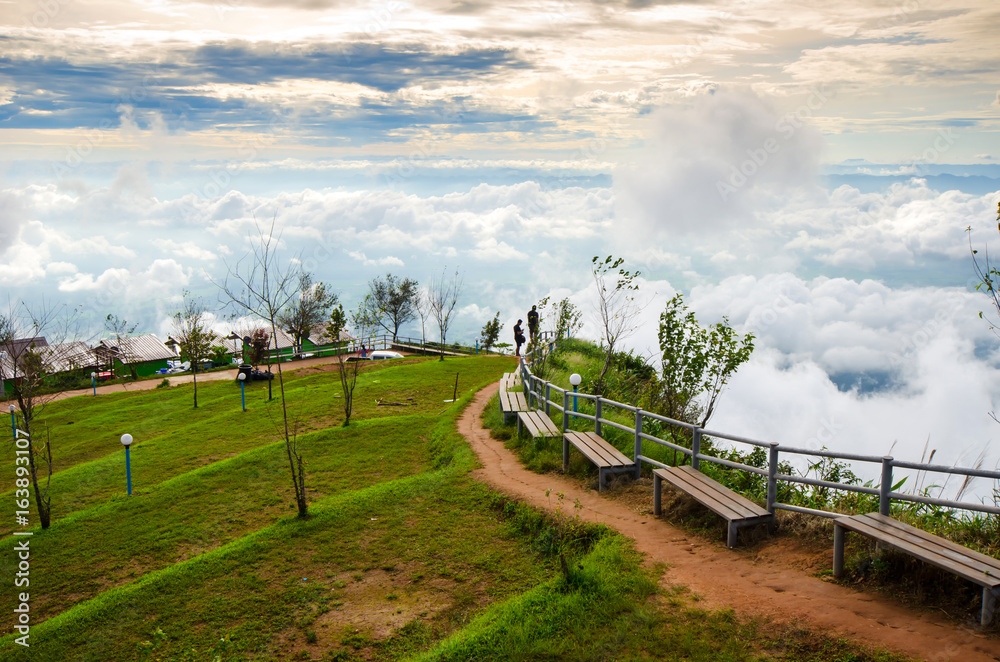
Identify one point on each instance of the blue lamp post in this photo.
(243, 397)
(575, 380)
(126, 442)
(13, 423)
(93, 382)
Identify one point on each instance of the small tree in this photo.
(616, 306)
(568, 319)
(337, 323)
(312, 307)
(258, 349)
(443, 296)
(193, 337)
(258, 285)
(33, 359)
(122, 332)
(490, 332)
(697, 362)
(392, 302)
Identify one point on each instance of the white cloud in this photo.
(714, 163)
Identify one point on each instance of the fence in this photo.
(542, 394)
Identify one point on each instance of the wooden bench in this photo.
(537, 424)
(962, 561)
(737, 510)
(511, 403)
(509, 380)
(607, 458)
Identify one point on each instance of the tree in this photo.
(337, 323)
(258, 349)
(392, 302)
(616, 306)
(697, 362)
(122, 332)
(568, 319)
(33, 359)
(491, 332)
(442, 297)
(193, 337)
(311, 308)
(259, 286)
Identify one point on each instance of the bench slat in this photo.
(926, 547)
(598, 450)
(710, 493)
(538, 424)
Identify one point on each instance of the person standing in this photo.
(518, 338)
(533, 324)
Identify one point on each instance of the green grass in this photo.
(402, 555)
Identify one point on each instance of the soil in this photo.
(774, 578)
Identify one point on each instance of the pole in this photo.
(13, 423)
(128, 472)
(574, 398)
(93, 383)
(243, 395)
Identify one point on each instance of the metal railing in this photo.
(545, 395)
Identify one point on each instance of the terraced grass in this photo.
(402, 555)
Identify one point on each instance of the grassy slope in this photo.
(402, 554)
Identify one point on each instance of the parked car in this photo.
(380, 354)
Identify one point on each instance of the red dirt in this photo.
(766, 580)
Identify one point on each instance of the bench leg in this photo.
(989, 602)
(838, 551)
(731, 535)
(657, 492)
(565, 454)
(600, 480)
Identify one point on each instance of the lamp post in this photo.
(575, 380)
(13, 423)
(93, 382)
(242, 377)
(126, 442)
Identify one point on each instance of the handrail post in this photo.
(695, 449)
(565, 411)
(772, 477)
(884, 500)
(638, 443)
(597, 415)
(548, 396)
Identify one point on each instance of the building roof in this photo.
(317, 334)
(68, 356)
(138, 349)
(281, 340)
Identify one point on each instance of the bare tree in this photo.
(193, 337)
(616, 305)
(442, 297)
(337, 323)
(258, 285)
(31, 358)
(312, 307)
(122, 332)
(392, 302)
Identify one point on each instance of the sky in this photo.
(807, 171)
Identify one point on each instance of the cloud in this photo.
(714, 164)
(387, 261)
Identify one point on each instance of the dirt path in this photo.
(184, 378)
(764, 580)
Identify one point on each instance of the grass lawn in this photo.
(402, 555)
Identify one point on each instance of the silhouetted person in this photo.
(518, 338)
(533, 324)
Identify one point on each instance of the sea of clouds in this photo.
(862, 301)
